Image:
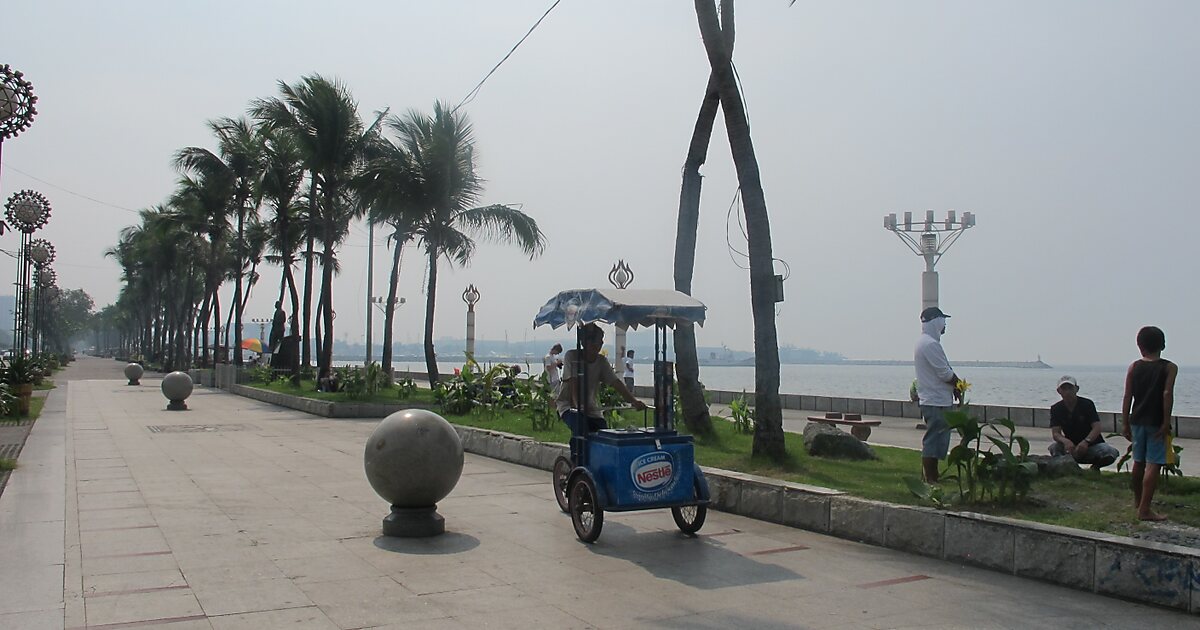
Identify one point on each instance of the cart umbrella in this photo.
(623, 307)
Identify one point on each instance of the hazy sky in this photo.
(1069, 128)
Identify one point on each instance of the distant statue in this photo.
(277, 325)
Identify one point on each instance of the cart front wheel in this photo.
(586, 515)
(689, 518)
(562, 468)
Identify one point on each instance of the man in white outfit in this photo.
(553, 364)
(937, 389)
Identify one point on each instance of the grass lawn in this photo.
(1098, 502)
(308, 389)
(46, 384)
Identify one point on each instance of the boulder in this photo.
(1059, 466)
(826, 440)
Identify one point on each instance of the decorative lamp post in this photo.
(49, 293)
(262, 328)
(621, 276)
(26, 211)
(470, 296)
(932, 240)
(40, 252)
(380, 303)
(16, 104)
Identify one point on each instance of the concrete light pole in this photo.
(621, 276)
(470, 296)
(932, 240)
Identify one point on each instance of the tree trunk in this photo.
(306, 351)
(768, 415)
(326, 360)
(430, 298)
(687, 364)
(238, 258)
(389, 309)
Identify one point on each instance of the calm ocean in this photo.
(1022, 387)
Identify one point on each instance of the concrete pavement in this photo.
(237, 514)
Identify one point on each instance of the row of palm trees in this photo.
(283, 185)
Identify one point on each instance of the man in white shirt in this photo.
(937, 389)
(597, 369)
(552, 363)
(629, 370)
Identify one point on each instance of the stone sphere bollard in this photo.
(177, 386)
(413, 460)
(134, 372)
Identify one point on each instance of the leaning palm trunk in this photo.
(430, 299)
(326, 360)
(389, 313)
(768, 425)
(306, 341)
(687, 364)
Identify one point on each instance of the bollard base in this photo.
(177, 405)
(414, 522)
(134, 381)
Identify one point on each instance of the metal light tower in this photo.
(470, 296)
(16, 104)
(27, 211)
(40, 252)
(932, 239)
(621, 276)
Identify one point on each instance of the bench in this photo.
(859, 428)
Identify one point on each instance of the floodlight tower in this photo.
(932, 239)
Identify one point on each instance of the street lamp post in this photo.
(16, 104)
(380, 303)
(620, 276)
(470, 296)
(932, 240)
(27, 211)
(40, 253)
(262, 330)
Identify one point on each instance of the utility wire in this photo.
(475, 91)
(69, 192)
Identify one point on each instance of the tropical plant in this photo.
(405, 388)
(742, 413)
(535, 397)
(998, 471)
(445, 189)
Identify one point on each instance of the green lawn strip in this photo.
(308, 389)
(1096, 502)
(46, 384)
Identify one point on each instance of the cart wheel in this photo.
(562, 468)
(689, 518)
(586, 515)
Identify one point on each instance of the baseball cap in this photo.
(1067, 379)
(932, 313)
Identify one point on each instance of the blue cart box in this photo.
(642, 469)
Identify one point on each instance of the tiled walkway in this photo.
(237, 514)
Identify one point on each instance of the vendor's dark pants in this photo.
(572, 419)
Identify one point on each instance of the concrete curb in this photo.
(323, 408)
(1146, 572)
(1153, 573)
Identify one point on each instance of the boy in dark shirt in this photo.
(1146, 416)
(1076, 428)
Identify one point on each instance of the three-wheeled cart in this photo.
(620, 470)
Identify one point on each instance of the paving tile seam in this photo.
(140, 624)
(135, 591)
(894, 581)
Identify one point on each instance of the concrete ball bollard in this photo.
(177, 386)
(413, 460)
(134, 373)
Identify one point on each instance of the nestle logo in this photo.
(652, 471)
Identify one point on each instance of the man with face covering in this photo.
(597, 369)
(937, 389)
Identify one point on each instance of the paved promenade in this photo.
(237, 514)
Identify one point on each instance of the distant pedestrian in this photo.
(1075, 426)
(937, 389)
(553, 366)
(1146, 417)
(629, 370)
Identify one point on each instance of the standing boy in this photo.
(629, 370)
(1146, 416)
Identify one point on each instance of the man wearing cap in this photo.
(937, 388)
(1076, 428)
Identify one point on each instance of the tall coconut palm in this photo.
(441, 148)
(389, 187)
(322, 116)
(283, 173)
(687, 365)
(768, 414)
(202, 202)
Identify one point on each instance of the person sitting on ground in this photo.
(506, 384)
(1076, 428)
(597, 369)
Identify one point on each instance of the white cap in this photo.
(1067, 379)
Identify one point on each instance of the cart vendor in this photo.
(597, 370)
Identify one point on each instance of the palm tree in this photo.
(283, 173)
(389, 187)
(202, 202)
(240, 148)
(768, 414)
(323, 118)
(687, 365)
(446, 187)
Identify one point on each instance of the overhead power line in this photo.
(475, 91)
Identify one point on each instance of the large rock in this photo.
(1059, 466)
(826, 440)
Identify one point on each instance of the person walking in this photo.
(553, 366)
(628, 375)
(937, 389)
(1146, 417)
